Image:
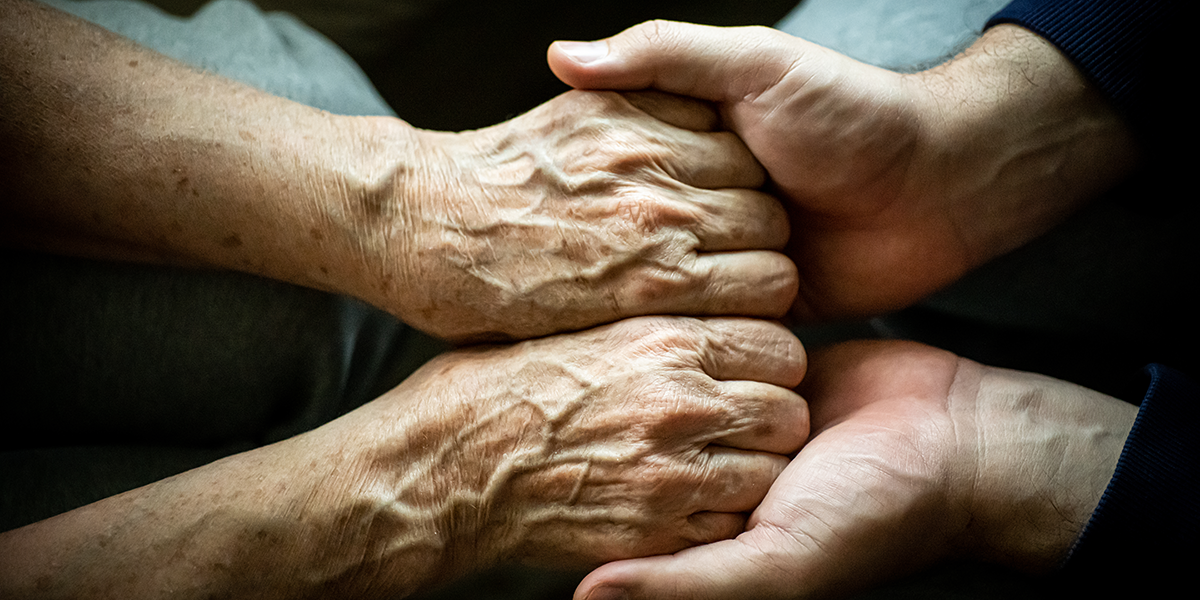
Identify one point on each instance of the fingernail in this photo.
(608, 593)
(584, 52)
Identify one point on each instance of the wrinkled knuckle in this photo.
(761, 421)
(651, 287)
(778, 292)
(639, 330)
(656, 32)
(689, 405)
(648, 212)
(591, 109)
(668, 334)
(628, 154)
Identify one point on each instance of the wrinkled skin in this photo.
(583, 211)
(917, 455)
(642, 437)
(638, 438)
(896, 184)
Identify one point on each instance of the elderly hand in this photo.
(917, 455)
(896, 184)
(641, 437)
(588, 209)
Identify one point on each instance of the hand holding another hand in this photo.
(590, 208)
(896, 185)
(917, 455)
(638, 438)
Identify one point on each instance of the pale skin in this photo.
(591, 208)
(637, 438)
(896, 186)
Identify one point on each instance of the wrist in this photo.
(1020, 137)
(1044, 451)
(346, 240)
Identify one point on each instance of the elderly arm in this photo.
(637, 438)
(584, 211)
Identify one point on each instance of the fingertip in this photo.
(564, 64)
(603, 580)
(626, 579)
(604, 593)
(570, 61)
(591, 65)
(664, 55)
(718, 571)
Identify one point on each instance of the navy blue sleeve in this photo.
(1148, 521)
(1124, 47)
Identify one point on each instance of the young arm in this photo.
(896, 184)
(917, 457)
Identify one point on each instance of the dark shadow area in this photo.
(454, 65)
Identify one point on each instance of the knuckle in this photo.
(649, 211)
(668, 278)
(656, 32)
(663, 336)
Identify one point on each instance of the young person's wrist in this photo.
(1024, 139)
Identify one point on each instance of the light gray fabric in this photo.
(901, 35)
(120, 374)
(274, 52)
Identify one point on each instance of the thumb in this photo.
(727, 570)
(712, 63)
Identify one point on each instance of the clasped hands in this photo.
(918, 455)
(609, 433)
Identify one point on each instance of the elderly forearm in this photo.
(113, 151)
(517, 452)
(590, 208)
(250, 525)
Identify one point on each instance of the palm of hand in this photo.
(918, 454)
(865, 499)
(872, 495)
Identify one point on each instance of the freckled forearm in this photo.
(113, 151)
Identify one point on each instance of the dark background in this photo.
(465, 64)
